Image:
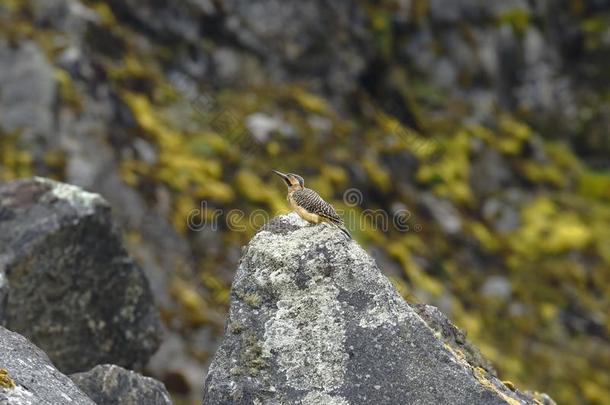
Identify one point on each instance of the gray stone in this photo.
(27, 90)
(262, 126)
(29, 377)
(314, 321)
(490, 173)
(443, 211)
(175, 365)
(452, 336)
(502, 213)
(3, 297)
(112, 385)
(496, 287)
(303, 47)
(73, 290)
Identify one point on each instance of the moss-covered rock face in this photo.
(72, 289)
(483, 123)
(333, 330)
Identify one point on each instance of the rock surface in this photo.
(29, 377)
(302, 48)
(112, 385)
(314, 321)
(72, 289)
(70, 68)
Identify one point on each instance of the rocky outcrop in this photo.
(112, 385)
(27, 376)
(72, 288)
(91, 92)
(314, 321)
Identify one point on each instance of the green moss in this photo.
(218, 288)
(252, 355)
(236, 328)
(68, 92)
(419, 10)
(450, 176)
(381, 26)
(594, 184)
(252, 299)
(519, 19)
(547, 229)
(15, 160)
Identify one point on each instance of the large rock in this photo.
(27, 376)
(72, 289)
(113, 385)
(314, 321)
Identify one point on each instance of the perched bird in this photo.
(309, 205)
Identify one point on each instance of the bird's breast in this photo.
(303, 213)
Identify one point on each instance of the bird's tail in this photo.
(344, 230)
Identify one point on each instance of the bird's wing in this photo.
(312, 202)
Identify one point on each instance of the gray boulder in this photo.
(27, 376)
(72, 288)
(113, 385)
(314, 321)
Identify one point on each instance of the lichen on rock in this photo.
(72, 288)
(110, 384)
(5, 379)
(323, 338)
(331, 329)
(78, 198)
(28, 377)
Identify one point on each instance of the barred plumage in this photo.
(312, 202)
(309, 205)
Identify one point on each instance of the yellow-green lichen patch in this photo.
(194, 308)
(15, 160)
(548, 229)
(252, 299)
(483, 377)
(449, 176)
(595, 184)
(5, 379)
(517, 18)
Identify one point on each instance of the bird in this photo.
(309, 205)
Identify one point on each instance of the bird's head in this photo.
(292, 180)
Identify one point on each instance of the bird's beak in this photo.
(283, 176)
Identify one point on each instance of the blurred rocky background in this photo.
(488, 122)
